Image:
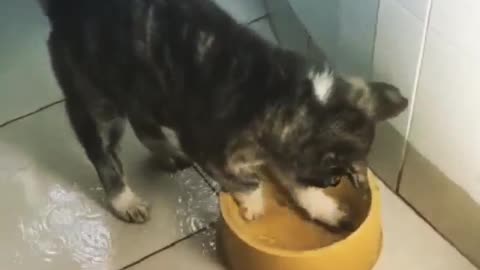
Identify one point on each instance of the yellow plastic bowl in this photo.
(245, 250)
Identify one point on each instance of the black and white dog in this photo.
(234, 101)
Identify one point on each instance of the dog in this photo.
(234, 101)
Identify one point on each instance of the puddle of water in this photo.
(68, 226)
(197, 205)
(208, 242)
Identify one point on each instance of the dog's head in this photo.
(329, 134)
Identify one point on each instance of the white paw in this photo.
(253, 211)
(129, 207)
(251, 204)
(320, 206)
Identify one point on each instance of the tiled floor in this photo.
(25, 77)
(51, 202)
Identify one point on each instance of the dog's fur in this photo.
(234, 101)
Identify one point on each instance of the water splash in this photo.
(68, 225)
(208, 242)
(197, 205)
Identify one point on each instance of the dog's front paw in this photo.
(334, 217)
(251, 204)
(129, 207)
(253, 211)
(321, 207)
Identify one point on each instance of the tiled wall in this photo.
(446, 100)
(429, 48)
(400, 35)
(401, 28)
(445, 126)
(344, 29)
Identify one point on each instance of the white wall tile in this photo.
(417, 7)
(356, 36)
(397, 50)
(344, 30)
(289, 31)
(320, 19)
(243, 10)
(263, 28)
(445, 125)
(458, 22)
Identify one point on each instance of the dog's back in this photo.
(189, 52)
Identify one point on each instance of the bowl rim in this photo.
(373, 209)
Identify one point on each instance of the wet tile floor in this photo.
(51, 201)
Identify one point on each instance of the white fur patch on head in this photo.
(204, 43)
(251, 202)
(322, 83)
(319, 205)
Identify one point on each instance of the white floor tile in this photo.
(53, 216)
(195, 253)
(410, 243)
(26, 79)
(243, 11)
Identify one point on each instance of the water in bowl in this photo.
(285, 227)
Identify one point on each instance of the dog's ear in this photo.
(378, 100)
(387, 100)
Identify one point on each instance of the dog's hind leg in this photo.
(99, 127)
(161, 141)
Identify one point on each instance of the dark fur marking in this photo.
(138, 59)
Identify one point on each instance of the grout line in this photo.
(202, 174)
(418, 71)
(257, 19)
(422, 217)
(31, 113)
(165, 248)
(374, 47)
(429, 223)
